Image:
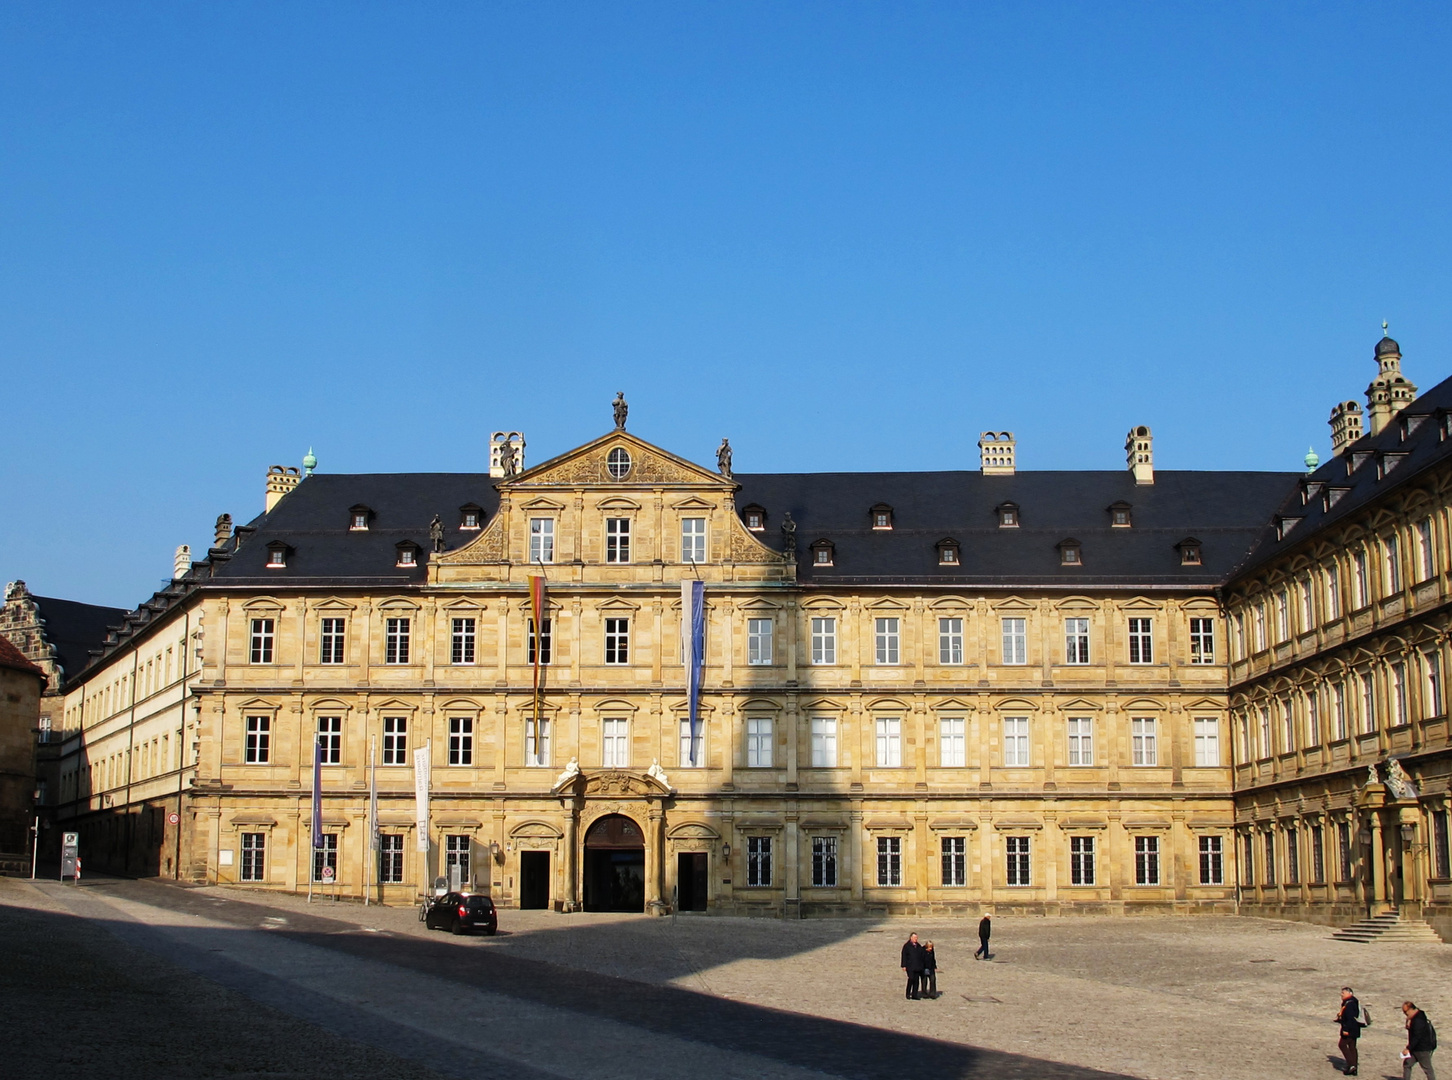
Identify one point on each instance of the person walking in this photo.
(912, 963)
(930, 971)
(1421, 1041)
(985, 927)
(1350, 1020)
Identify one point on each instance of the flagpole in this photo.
(372, 845)
(317, 823)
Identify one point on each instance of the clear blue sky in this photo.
(849, 236)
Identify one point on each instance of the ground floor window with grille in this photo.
(326, 856)
(758, 860)
(1343, 843)
(456, 853)
(1270, 858)
(1318, 855)
(390, 858)
(1247, 872)
(824, 861)
(1212, 861)
(955, 860)
(1293, 857)
(254, 856)
(889, 860)
(1081, 860)
(1146, 860)
(1017, 848)
(1440, 867)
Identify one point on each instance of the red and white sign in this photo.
(173, 818)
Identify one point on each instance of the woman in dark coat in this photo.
(930, 969)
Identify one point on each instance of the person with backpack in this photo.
(1349, 1018)
(1421, 1041)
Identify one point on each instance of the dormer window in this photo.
(358, 518)
(1410, 424)
(471, 517)
(947, 552)
(1189, 549)
(755, 518)
(1007, 515)
(1070, 553)
(1120, 516)
(823, 552)
(277, 556)
(407, 553)
(1388, 460)
(881, 516)
(1309, 490)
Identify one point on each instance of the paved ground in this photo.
(598, 996)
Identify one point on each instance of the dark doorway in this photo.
(691, 880)
(534, 879)
(614, 865)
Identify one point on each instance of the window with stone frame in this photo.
(758, 861)
(1146, 860)
(824, 862)
(954, 860)
(889, 861)
(1081, 860)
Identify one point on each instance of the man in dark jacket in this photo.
(913, 962)
(1421, 1041)
(985, 927)
(1350, 1020)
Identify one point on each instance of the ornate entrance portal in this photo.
(615, 865)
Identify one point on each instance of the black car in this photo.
(460, 913)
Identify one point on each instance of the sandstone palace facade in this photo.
(922, 692)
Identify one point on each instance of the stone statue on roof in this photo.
(508, 463)
(436, 533)
(723, 457)
(789, 536)
(622, 410)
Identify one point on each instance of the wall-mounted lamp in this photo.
(726, 851)
(1409, 832)
(1364, 836)
(494, 852)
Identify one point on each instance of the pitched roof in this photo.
(14, 659)
(74, 629)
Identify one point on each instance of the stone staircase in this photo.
(1389, 927)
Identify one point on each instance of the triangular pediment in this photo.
(588, 465)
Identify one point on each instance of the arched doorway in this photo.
(615, 865)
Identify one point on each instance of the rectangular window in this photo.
(1081, 860)
(1247, 869)
(617, 641)
(952, 742)
(1293, 856)
(1015, 641)
(390, 859)
(330, 739)
(461, 740)
(254, 856)
(950, 641)
(1202, 641)
(1283, 616)
(1265, 732)
(1313, 717)
(1308, 617)
(1146, 860)
(1207, 742)
(824, 640)
(615, 743)
(1016, 849)
(824, 742)
(1432, 667)
(395, 740)
(758, 861)
(1440, 863)
(889, 742)
(462, 645)
(889, 860)
(332, 642)
(759, 742)
(1399, 693)
(395, 641)
(542, 643)
(1076, 641)
(1318, 855)
(262, 641)
(1015, 742)
(1141, 641)
(537, 744)
(259, 740)
(1343, 845)
(1142, 742)
(887, 641)
(691, 756)
(1338, 694)
(1259, 627)
(326, 857)
(456, 853)
(1393, 566)
(541, 540)
(617, 540)
(824, 861)
(955, 860)
(1212, 861)
(1333, 592)
(1081, 740)
(1358, 562)
(693, 540)
(1288, 725)
(759, 641)
(1368, 703)
(1426, 555)
(1270, 858)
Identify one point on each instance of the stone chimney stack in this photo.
(1139, 454)
(181, 562)
(996, 453)
(1390, 392)
(497, 442)
(224, 529)
(280, 480)
(1345, 426)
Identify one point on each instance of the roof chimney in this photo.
(1345, 426)
(224, 529)
(181, 562)
(995, 453)
(497, 442)
(280, 480)
(1139, 454)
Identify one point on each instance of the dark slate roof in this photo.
(1424, 447)
(14, 659)
(1223, 510)
(75, 629)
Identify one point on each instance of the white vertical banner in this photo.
(421, 794)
